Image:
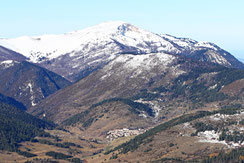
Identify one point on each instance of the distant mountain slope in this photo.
(169, 84)
(28, 83)
(123, 77)
(204, 51)
(76, 54)
(17, 126)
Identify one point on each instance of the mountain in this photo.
(167, 83)
(138, 96)
(139, 92)
(27, 82)
(178, 107)
(76, 54)
(204, 51)
(123, 77)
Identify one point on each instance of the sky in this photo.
(217, 21)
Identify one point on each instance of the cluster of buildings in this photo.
(118, 133)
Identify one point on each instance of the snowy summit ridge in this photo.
(80, 52)
(42, 47)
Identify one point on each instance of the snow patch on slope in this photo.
(145, 61)
(213, 137)
(216, 58)
(182, 42)
(205, 44)
(32, 98)
(210, 137)
(7, 63)
(135, 66)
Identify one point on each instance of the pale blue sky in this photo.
(217, 21)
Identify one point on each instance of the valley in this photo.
(117, 93)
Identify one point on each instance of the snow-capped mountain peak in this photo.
(76, 54)
(7, 63)
(45, 47)
(107, 28)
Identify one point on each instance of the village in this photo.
(125, 132)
